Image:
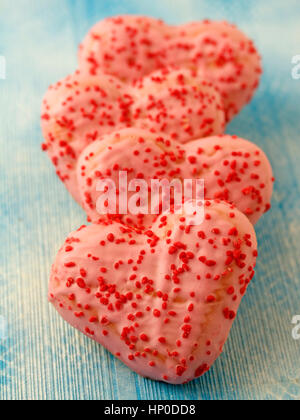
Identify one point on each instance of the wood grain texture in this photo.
(41, 357)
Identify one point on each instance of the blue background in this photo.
(40, 355)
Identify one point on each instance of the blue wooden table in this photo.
(41, 356)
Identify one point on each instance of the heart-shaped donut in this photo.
(162, 301)
(131, 47)
(233, 169)
(81, 109)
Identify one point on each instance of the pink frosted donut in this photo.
(234, 169)
(81, 109)
(163, 301)
(131, 47)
